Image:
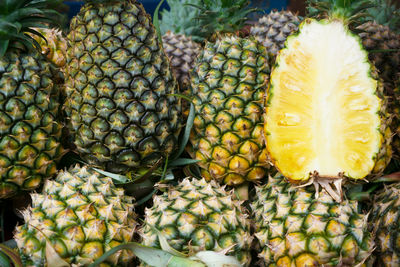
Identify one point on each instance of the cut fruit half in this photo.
(325, 114)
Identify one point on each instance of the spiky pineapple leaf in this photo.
(12, 255)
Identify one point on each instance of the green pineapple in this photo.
(197, 215)
(81, 215)
(229, 81)
(119, 86)
(30, 129)
(295, 227)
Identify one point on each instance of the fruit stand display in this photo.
(199, 133)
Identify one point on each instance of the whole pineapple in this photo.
(197, 215)
(294, 227)
(119, 87)
(82, 215)
(229, 81)
(385, 224)
(30, 130)
(273, 29)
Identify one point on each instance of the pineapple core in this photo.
(322, 110)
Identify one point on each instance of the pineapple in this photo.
(229, 81)
(81, 215)
(184, 27)
(182, 52)
(54, 47)
(120, 90)
(385, 225)
(197, 215)
(30, 130)
(295, 228)
(326, 116)
(273, 29)
(376, 35)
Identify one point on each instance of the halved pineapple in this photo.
(325, 112)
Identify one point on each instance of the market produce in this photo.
(385, 225)
(30, 129)
(326, 116)
(273, 29)
(120, 89)
(378, 27)
(229, 82)
(79, 216)
(197, 215)
(296, 227)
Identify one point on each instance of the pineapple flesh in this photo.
(197, 215)
(81, 214)
(229, 81)
(120, 89)
(294, 227)
(325, 110)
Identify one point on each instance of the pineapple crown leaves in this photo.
(386, 13)
(223, 16)
(351, 12)
(181, 18)
(18, 17)
(200, 19)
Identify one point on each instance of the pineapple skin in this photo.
(182, 52)
(228, 82)
(83, 215)
(294, 227)
(119, 88)
(30, 127)
(273, 29)
(384, 223)
(197, 215)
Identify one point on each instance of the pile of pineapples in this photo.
(283, 127)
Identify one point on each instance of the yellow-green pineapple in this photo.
(30, 131)
(229, 82)
(295, 227)
(81, 215)
(197, 215)
(119, 87)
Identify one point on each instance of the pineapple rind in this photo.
(197, 215)
(120, 90)
(294, 227)
(30, 130)
(380, 151)
(229, 82)
(81, 214)
(384, 223)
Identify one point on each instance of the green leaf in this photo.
(186, 134)
(3, 47)
(156, 21)
(117, 177)
(151, 256)
(16, 260)
(182, 162)
(214, 259)
(52, 257)
(4, 260)
(164, 243)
